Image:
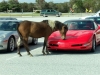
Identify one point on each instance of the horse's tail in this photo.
(20, 36)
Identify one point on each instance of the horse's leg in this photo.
(18, 46)
(47, 50)
(46, 47)
(44, 44)
(26, 46)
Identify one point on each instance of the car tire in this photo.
(57, 15)
(44, 15)
(34, 41)
(11, 44)
(93, 45)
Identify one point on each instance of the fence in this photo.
(32, 14)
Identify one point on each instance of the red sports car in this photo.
(82, 35)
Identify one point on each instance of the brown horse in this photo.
(37, 30)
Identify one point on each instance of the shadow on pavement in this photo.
(71, 52)
(76, 52)
(40, 44)
(22, 49)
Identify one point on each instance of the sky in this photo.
(33, 1)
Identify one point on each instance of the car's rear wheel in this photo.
(11, 44)
(44, 15)
(57, 15)
(93, 45)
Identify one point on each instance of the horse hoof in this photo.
(28, 54)
(44, 54)
(31, 55)
(47, 53)
(20, 55)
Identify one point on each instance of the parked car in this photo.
(48, 12)
(97, 14)
(9, 35)
(96, 19)
(8, 18)
(82, 35)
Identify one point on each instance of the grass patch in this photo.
(38, 14)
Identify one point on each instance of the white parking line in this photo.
(11, 58)
(18, 55)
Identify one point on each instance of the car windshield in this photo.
(8, 25)
(80, 25)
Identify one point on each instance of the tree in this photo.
(24, 7)
(3, 6)
(97, 6)
(31, 7)
(40, 4)
(62, 7)
(77, 5)
(14, 5)
(51, 5)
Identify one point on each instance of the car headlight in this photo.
(86, 44)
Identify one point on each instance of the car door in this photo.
(97, 32)
(48, 12)
(53, 12)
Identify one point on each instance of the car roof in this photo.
(92, 17)
(7, 17)
(80, 20)
(11, 20)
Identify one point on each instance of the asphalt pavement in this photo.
(58, 63)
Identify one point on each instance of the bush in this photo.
(37, 11)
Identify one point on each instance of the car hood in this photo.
(73, 35)
(4, 32)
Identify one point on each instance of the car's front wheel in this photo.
(11, 44)
(93, 45)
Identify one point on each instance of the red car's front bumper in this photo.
(53, 46)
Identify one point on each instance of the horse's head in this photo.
(56, 25)
(62, 28)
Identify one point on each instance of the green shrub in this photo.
(37, 11)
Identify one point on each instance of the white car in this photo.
(97, 14)
(9, 35)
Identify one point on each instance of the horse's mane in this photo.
(51, 23)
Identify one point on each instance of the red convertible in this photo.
(82, 35)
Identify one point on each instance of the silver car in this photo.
(8, 18)
(9, 35)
